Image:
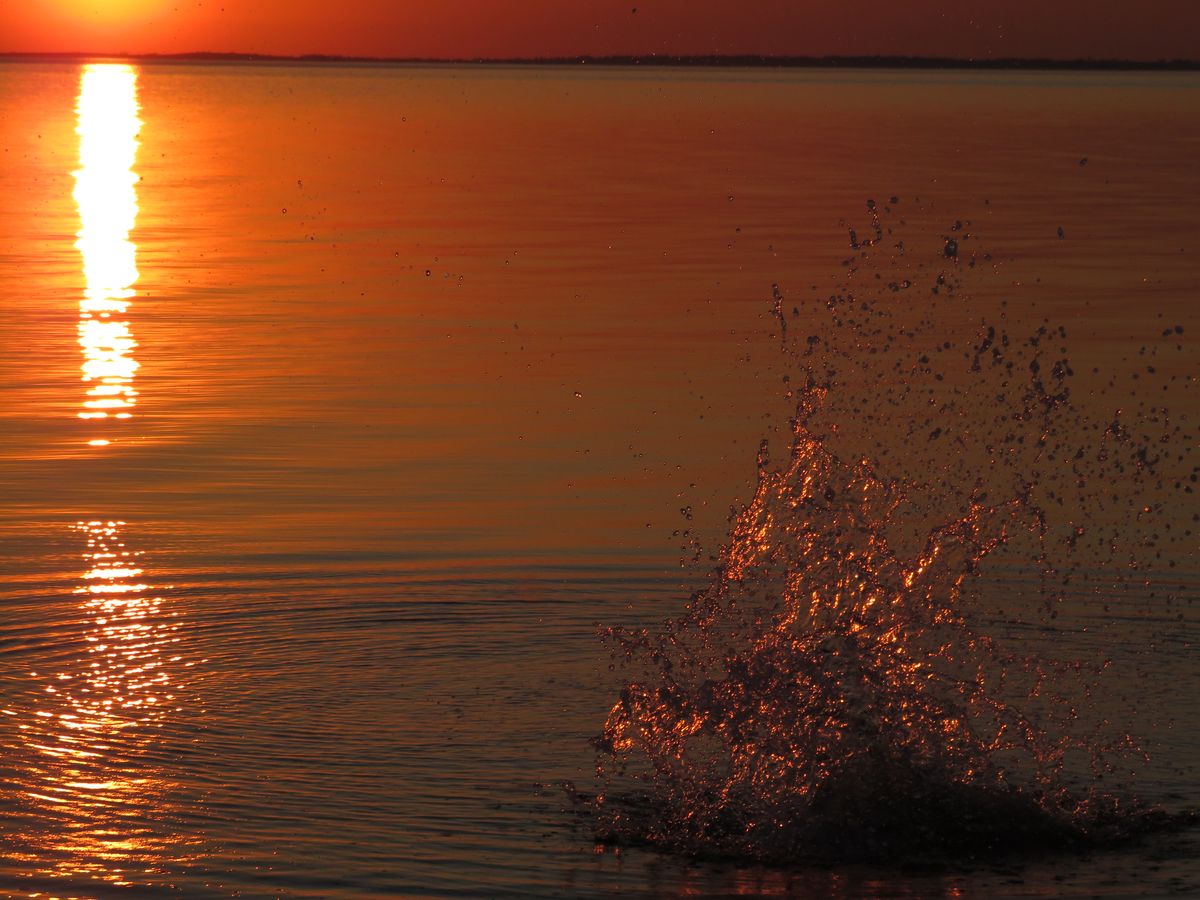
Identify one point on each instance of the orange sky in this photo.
(1149, 29)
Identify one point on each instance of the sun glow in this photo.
(110, 14)
(106, 195)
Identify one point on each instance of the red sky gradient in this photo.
(1063, 29)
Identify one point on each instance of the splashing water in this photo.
(838, 691)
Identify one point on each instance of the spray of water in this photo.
(838, 690)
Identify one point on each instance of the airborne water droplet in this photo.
(836, 690)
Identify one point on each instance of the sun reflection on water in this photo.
(93, 771)
(106, 195)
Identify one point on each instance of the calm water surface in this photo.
(338, 405)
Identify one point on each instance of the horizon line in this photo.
(649, 60)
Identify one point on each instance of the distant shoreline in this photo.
(742, 62)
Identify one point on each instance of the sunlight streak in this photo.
(106, 195)
(97, 740)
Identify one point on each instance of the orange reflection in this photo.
(107, 199)
(98, 795)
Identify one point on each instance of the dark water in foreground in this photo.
(341, 407)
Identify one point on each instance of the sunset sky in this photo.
(1151, 29)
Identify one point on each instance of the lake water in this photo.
(342, 406)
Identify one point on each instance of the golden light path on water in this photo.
(106, 195)
(96, 731)
(99, 798)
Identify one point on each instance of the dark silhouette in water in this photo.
(839, 691)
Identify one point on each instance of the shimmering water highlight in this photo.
(106, 194)
(90, 726)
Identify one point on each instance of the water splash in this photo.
(839, 690)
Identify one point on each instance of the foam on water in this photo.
(848, 684)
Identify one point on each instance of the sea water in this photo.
(345, 408)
